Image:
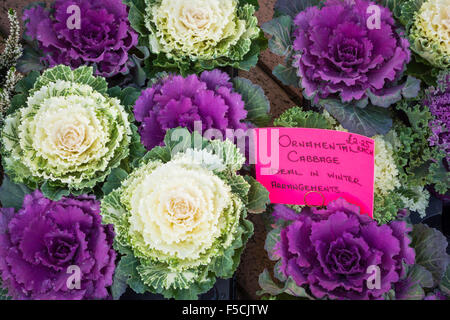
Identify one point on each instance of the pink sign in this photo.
(313, 166)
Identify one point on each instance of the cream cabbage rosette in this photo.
(66, 133)
(194, 35)
(195, 28)
(430, 31)
(182, 218)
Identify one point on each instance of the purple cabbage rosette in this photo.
(82, 32)
(337, 253)
(331, 250)
(348, 57)
(45, 243)
(199, 102)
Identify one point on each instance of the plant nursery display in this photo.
(156, 149)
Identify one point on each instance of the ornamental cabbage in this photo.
(339, 56)
(66, 132)
(44, 240)
(428, 33)
(194, 35)
(102, 39)
(330, 252)
(173, 101)
(180, 217)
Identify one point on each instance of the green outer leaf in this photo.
(287, 75)
(136, 16)
(369, 121)
(239, 186)
(12, 195)
(407, 11)
(30, 61)
(27, 83)
(413, 292)
(394, 5)
(280, 29)
(273, 237)
(82, 75)
(3, 293)
(421, 69)
(258, 196)
(387, 99)
(54, 192)
(126, 274)
(430, 247)
(421, 275)
(22, 89)
(294, 7)
(296, 117)
(256, 102)
(411, 288)
(408, 90)
(114, 180)
(445, 282)
(411, 88)
(252, 2)
(126, 96)
(137, 149)
(290, 287)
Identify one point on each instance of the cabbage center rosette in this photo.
(182, 219)
(67, 132)
(194, 35)
(178, 210)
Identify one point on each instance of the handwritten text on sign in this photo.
(316, 166)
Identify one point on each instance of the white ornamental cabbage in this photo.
(181, 219)
(191, 36)
(430, 32)
(199, 28)
(178, 209)
(68, 133)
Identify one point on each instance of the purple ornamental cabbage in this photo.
(438, 100)
(42, 240)
(103, 40)
(341, 57)
(175, 101)
(330, 250)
